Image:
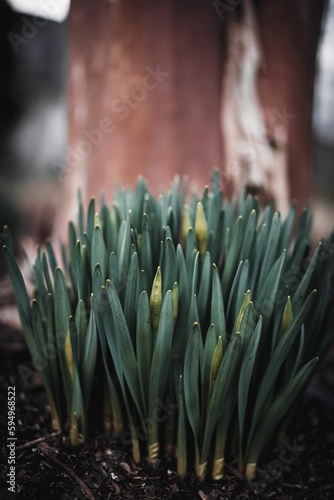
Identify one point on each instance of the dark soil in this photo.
(47, 467)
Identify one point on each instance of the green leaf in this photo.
(144, 346)
(249, 236)
(169, 266)
(40, 339)
(216, 237)
(114, 274)
(99, 254)
(132, 295)
(141, 190)
(268, 214)
(245, 316)
(181, 435)
(278, 409)
(217, 306)
(209, 349)
(215, 211)
(277, 360)
(18, 284)
(287, 228)
(80, 217)
(232, 256)
(77, 414)
(121, 347)
(258, 255)
(84, 273)
(271, 250)
(161, 354)
(215, 364)
(193, 316)
(107, 217)
(72, 240)
(90, 219)
(182, 279)
(125, 254)
(97, 284)
(246, 372)
(100, 310)
(191, 250)
(62, 313)
(21, 296)
(204, 288)
(143, 282)
(89, 356)
(220, 392)
(47, 273)
(303, 231)
(146, 251)
(195, 275)
(74, 342)
(191, 380)
(160, 365)
(232, 310)
(53, 358)
(243, 285)
(81, 323)
(268, 294)
(51, 256)
(301, 291)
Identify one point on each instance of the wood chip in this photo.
(127, 468)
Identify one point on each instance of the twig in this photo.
(39, 440)
(46, 450)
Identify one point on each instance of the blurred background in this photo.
(323, 125)
(121, 88)
(33, 123)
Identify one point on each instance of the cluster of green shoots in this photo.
(200, 323)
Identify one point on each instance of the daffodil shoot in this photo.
(189, 323)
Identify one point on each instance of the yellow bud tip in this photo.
(156, 299)
(186, 222)
(201, 228)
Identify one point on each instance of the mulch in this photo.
(48, 467)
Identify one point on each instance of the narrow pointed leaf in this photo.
(144, 347)
(277, 360)
(122, 347)
(278, 409)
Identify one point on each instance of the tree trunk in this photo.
(171, 87)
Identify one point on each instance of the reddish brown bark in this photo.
(290, 32)
(174, 128)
